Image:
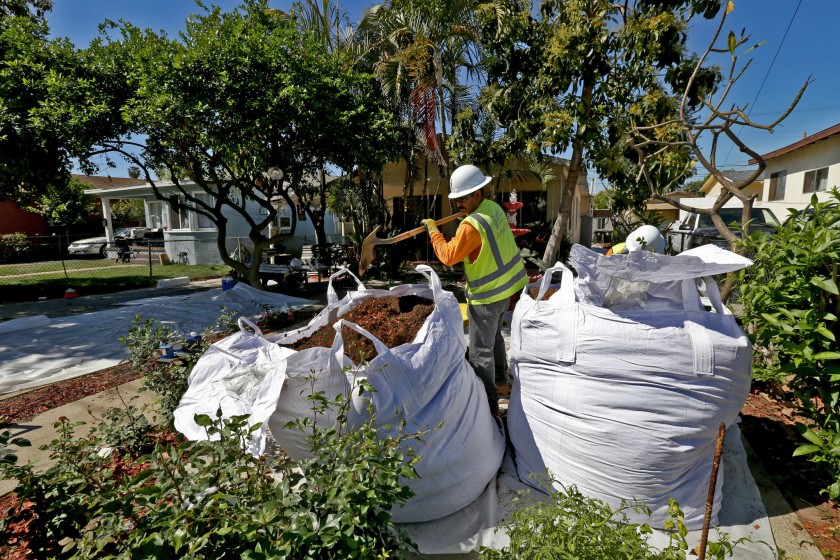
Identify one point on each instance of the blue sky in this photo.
(799, 42)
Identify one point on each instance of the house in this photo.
(191, 237)
(797, 171)
(14, 219)
(602, 227)
(430, 196)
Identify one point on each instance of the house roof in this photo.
(107, 182)
(734, 176)
(813, 139)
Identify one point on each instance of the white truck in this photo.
(693, 229)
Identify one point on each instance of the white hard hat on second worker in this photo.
(465, 180)
(646, 237)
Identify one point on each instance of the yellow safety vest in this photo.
(498, 272)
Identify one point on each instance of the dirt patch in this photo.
(394, 320)
(768, 422)
(26, 405)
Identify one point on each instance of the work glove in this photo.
(430, 225)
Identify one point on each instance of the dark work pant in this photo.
(487, 346)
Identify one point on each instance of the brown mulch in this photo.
(394, 320)
(534, 291)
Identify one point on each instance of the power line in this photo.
(767, 74)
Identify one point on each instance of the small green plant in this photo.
(125, 430)
(571, 526)
(169, 382)
(225, 324)
(60, 498)
(143, 340)
(271, 319)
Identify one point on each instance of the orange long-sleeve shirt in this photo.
(467, 242)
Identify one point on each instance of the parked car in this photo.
(89, 246)
(153, 237)
(698, 229)
(132, 233)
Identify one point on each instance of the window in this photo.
(203, 221)
(777, 185)
(175, 216)
(601, 223)
(155, 216)
(816, 180)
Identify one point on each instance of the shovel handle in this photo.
(421, 229)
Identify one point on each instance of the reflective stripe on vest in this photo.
(498, 272)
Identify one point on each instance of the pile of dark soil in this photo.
(394, 320)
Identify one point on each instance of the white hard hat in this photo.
(466, 179)
(646, 237)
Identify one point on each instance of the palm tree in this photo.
(420, 52)
(427, 58)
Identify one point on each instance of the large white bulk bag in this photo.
(242, 374)
(622, 378)
(426, 382)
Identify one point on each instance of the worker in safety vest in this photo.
(644, 237)
(494, 269)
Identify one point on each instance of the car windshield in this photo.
(759, 217)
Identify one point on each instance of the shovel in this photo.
(371, 241)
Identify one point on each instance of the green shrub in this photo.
(13, 246)
(791, 306)
(143, 340)
(210, 499)
(571, 526)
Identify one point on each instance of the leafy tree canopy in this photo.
(234, 95)
(65, 205)
(571, 77)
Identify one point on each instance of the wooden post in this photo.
(707, 518)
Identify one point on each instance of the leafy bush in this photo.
(790, 298)
(210, 499)
(225, 324)
(13, 246)
(572, 526)
(143, 340)
(271, 319)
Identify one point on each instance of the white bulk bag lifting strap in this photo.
(456, 328)
(403, 391)
(332, 296)
(434, 280)
(701, 342)
(243, 321)
(566, 312)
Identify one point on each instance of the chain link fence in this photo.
(37, 267)
(46, 266)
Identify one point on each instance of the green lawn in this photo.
(96, 276)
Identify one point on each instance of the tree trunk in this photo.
(569, 188)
